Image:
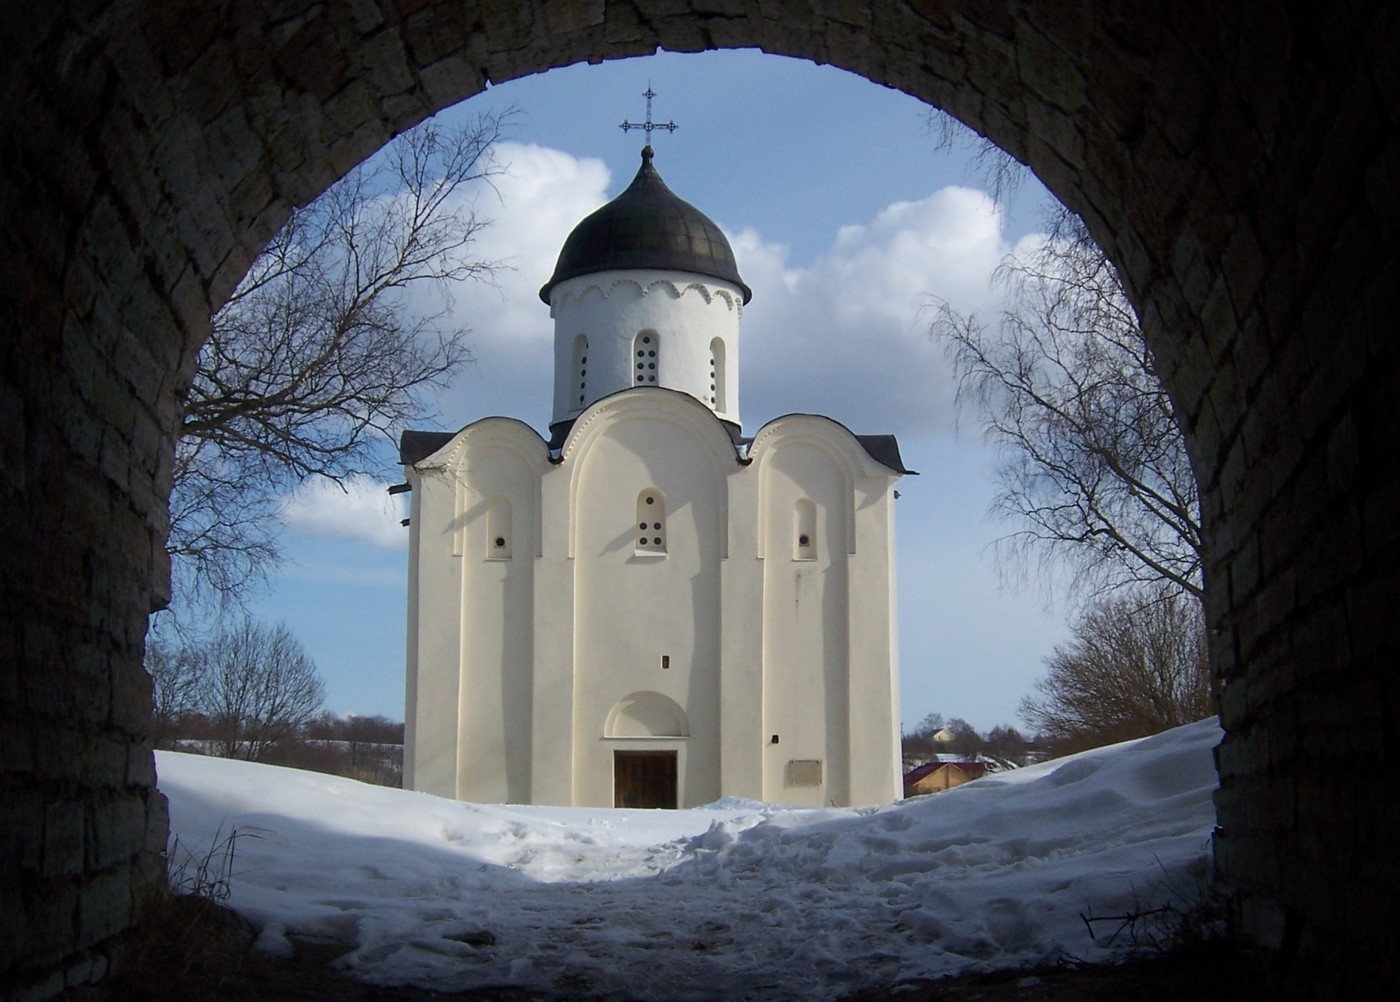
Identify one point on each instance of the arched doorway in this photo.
(648, 731)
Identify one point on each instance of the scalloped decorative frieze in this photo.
(670, 287)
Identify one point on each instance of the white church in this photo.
(651, 608)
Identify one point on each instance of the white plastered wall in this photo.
(830, 668)
(646, 621)
(471, 613)
(434, 636)
(515, 665)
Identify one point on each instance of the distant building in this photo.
(935, 777)
(651, 609)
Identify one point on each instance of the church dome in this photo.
(647, 226)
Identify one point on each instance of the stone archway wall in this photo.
(1239, 166)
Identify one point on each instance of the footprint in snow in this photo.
(898, 821)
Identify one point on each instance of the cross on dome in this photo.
(648, 127)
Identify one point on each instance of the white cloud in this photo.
(847, 337)
(361, 510)
(532, 209)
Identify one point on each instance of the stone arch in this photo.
(1238, 168)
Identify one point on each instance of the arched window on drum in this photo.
(578, 389)
(646, 355)
(718, 398)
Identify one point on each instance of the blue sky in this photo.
(846, 218)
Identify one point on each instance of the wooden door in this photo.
(644, 779)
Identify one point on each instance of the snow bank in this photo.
(737, 900)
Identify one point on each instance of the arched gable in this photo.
(502, 432)
(524, 452)
(836, 443)
(684, 416)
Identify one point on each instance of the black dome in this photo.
(646, 227)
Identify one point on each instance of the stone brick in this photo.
(89, 968)
(115, 830)
(451, 75)
(434, 33)
(104, 907)
(12, 926)
(21, 841)
(1047, 71)
(62, 838)
(1244, 572)
(383, 65)
(74, 686)
(131, 697)
(140, 767)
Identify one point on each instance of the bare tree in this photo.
(260, 687)
(965, 740)
(177, 675)
(1093, 464)
(918, 745)
(1007, 745)
(318, 357)
(1136, 665)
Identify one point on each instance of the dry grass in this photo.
(186, 940)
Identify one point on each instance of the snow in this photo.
(736, 900)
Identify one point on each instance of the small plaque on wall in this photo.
(804, 772)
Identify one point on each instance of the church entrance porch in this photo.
(644, 779)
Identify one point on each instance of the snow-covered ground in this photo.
(738, 900)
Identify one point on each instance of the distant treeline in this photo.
(369, 749)
(1004, 746)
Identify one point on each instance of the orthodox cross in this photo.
(648, 127)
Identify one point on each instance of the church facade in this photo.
(650, 609)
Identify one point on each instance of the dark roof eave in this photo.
(884, 449)
(417, 445)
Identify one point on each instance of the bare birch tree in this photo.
(1093, 466)
(318, 356)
